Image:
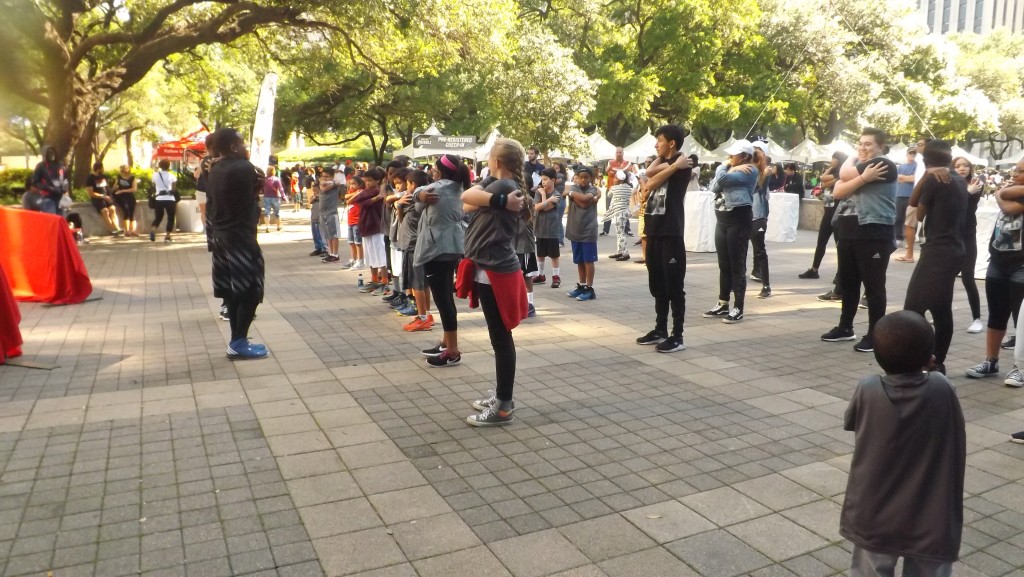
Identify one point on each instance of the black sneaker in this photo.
(614, 256)
(224, 314)
(318, 252)
(651, 338)
(809, 273)
(830, 296)
(838, 334)
(444, 360)
(863, 302)
(1010, 343)
(625, 257)
(735, 315)
(866, 345)
(765, 292)
(434, 351)
(756, 277)
(671, 345)
(720, 310)
(988, 368)
(1017, 437)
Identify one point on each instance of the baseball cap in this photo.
(620, 175)
(760, 144)
(740, 147)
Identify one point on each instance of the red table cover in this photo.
(10, 316)
(40, 258)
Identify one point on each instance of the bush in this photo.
(14, 178)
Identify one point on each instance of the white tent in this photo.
(600, 149)
(809, 152)
(482, 152)
(1012, 159)
(898, 153)
(775, 151)
(641, 149)
(691, 146)
(479, 152)
(976, 160)
(432, 130)
(840, 145)
(719, 153)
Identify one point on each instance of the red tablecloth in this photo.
(41, 260)
(10, 316)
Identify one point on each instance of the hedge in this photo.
(14, 178)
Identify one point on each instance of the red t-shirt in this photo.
(353, 214)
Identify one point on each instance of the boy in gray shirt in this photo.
(581, 230)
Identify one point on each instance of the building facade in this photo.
(978, 16)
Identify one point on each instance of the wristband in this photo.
(498, 201)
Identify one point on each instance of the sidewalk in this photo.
(148, 452)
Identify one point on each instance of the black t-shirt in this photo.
(98, 183)
(664, 215)
(204, 173)
(233, 210)
(848, 226)
(945, 206)
(124, 183)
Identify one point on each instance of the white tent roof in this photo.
(840, 145)
(957, 151)
(719, 153)
(775, 150)
(1012, 159)
(641, 149)
(691, 146)
(809, 152)
(898, 153)
(433, 131)
(600, 149)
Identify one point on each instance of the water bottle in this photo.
(359, 281)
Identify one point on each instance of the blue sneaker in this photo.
(408, 311)
(243, 350)
(532, 312)
(588, 294)
(576, 291)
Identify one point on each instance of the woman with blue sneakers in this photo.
(733, 186)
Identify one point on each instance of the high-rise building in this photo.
(978, 16)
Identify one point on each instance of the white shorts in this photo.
(397, 257)
(200, 197)
(374, 252)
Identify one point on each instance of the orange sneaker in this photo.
(418, 324)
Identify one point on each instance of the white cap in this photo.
(762, 145)
(740, 147)
(620, 175)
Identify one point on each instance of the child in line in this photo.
(329, 224)
(549, 220)
(526, 249)
(356, 184)
(371, 227)
(395, 192)
(581, 230)
(904, 496)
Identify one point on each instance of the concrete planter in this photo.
(186, 218)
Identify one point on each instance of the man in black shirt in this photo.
(663, 224)
(532, 168)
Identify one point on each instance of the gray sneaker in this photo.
(486, 403)
(987, 368)
(490, 417)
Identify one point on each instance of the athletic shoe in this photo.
(433, 351)
(587, 295)
(400, 303)
(531, 312)
(838, 334)
(614, 256)
(719, 311)
(370, 287)
(556, 281)
(765, 292)
(390, 297)
(756, 277)
(408, 311)
(671, 345)
(1010, 343)
(418, 324)
(243, 350)
(348, 265)
(809, 273)
(486, 403)
(1014, 378)
(976, 327)
(224, 314)
(640, 261)
(152, 236)
(985, 369)
(624, 257)
(381, 290)
(651, 338)
(866, 345)
(1017, 437)
(167, 240)
(490, 417)
(318, 252)
(830, 296)
(735, 315)
(443, 360)
(331, 258)
(580, 289)
(603, 234)
(863, 302)
(358, 265)
(540, 279)
(638, 243)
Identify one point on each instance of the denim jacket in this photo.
(735, 188)
(760, 207)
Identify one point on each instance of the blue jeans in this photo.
(318, 242)
(47, 205)
(272, 205)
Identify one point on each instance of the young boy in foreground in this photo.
(904, 496)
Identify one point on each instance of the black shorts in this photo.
(528, 264)
(100, 203)
(237, 268)
(412, 275)
(548, 248)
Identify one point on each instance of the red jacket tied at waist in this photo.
(509, 291)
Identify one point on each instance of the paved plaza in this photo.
(147, 452)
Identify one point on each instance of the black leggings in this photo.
(126, 202)
(501, 341)
(931, 289)
(165, 206)
(441, 280)
(732, 234)
(241, 311)
(967, 273)
(666, 271)
(1004, 289)
(863, 261)
(824, 233)
(759, 228)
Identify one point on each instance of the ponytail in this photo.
(451, 167)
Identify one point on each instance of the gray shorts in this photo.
(329, 225)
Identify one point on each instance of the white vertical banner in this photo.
(263, 125)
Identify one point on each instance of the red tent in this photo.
(177, 150)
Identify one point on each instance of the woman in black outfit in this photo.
(233, 211)
(828, 180)
(964, 168)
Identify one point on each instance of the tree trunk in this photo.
(84, 150)
(128, 149)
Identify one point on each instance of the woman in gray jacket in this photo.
(440, 243)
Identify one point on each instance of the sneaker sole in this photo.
(657, 342)
(673, 350)
(431, 355)
(451, 364)
(729, 321)
(1005, 348)
(1018, 441)
(245, 358)
(1014, 384)
(974, 375)
(860, 350)
(474, 423)
(716, 316)
(839, 339)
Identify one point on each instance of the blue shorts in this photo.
(583, 251)
(353, 234)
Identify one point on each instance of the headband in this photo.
(445, 161)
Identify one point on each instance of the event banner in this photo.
(453, 143)
(263, 126)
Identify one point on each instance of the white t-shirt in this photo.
(919, 172)
(339, 176)
(164, 183)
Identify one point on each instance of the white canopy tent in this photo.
(643, 147)
(599, 148)
(808, 152)
(691, 146)
(719, 153)
(840, 145)
(478, 153)
(898, 153)
(976, 160)
(1012, 159)
(775, 151)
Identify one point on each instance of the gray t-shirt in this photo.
(329, 199)
(491, 233)
(547, 222)
(581, 224)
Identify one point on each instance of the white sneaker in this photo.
(976, 327)
(1014, 378)
(359, 265)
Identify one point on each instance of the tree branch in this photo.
(343, 141)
